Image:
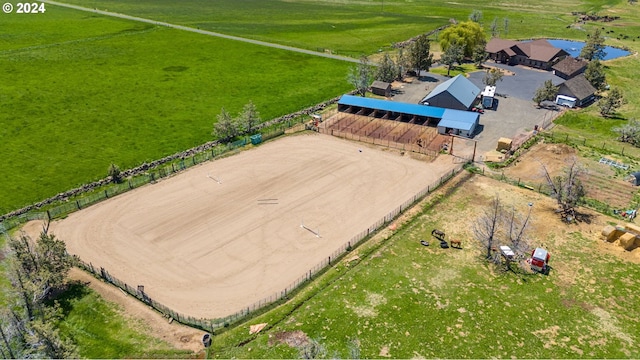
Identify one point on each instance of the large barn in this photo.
(457, 93)
(448, 121)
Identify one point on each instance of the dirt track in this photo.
(207, 248)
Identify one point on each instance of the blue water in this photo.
(574, 48)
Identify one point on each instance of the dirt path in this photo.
(204, 32)
(176, 334)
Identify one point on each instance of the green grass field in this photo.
(403, 300)
(348, 27)
(102, 331)
(129, 93)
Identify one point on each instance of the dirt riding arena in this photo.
(225, 234)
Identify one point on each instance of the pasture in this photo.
(222, 236)
(81, 91)
(399, 299)
(350, 27)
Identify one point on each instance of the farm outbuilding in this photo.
(391, 110)
(381, 88)
(579, 88)
(635, 178)
(457, 93)
(455, 122)
(569, 67)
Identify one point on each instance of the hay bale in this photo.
(632, 228)
(626, 241)
(504, 144)
(493, 156)
(612, 233)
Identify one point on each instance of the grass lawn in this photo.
(404, 300)
(102, 331)
(128, 93)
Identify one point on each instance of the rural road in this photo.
(204, 32)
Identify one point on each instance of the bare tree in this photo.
(567, 189)
(486, 226)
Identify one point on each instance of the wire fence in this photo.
(151, 175)
(213, 325)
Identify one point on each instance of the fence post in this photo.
(106, 195)
(78, 204)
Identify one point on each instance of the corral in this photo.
(224, 235)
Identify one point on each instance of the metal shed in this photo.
(458, 122)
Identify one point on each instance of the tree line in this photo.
(37, 271)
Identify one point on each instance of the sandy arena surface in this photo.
(225, 234)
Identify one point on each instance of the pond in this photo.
(574, 48)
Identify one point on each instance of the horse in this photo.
(456, 244)
(438, 234)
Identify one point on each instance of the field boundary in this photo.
(215, 325)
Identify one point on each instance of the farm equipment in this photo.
(540, 260)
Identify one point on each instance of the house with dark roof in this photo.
(536, 53)
(569, 67)
(456, 93)
(579, 88)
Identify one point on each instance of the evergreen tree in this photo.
(387, 70)
(547, 91)
(594, 73)
(594, 46)
(420, 57)
(610, 103)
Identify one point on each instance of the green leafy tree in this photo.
(467, 33)
(547, 91)
(402, 63)
(115, 173)
(453, 55)
(361, 76)
(475, 16)
(249, 117)
(387, 70)
(479, 54)
(610, 103)
(506, 25)
(420, 57)
(492, 76)
(594, 73)
(594, 46)
(226, 127)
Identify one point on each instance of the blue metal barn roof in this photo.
(458, 119)
(397, 107)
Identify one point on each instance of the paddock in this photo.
(225, 234)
